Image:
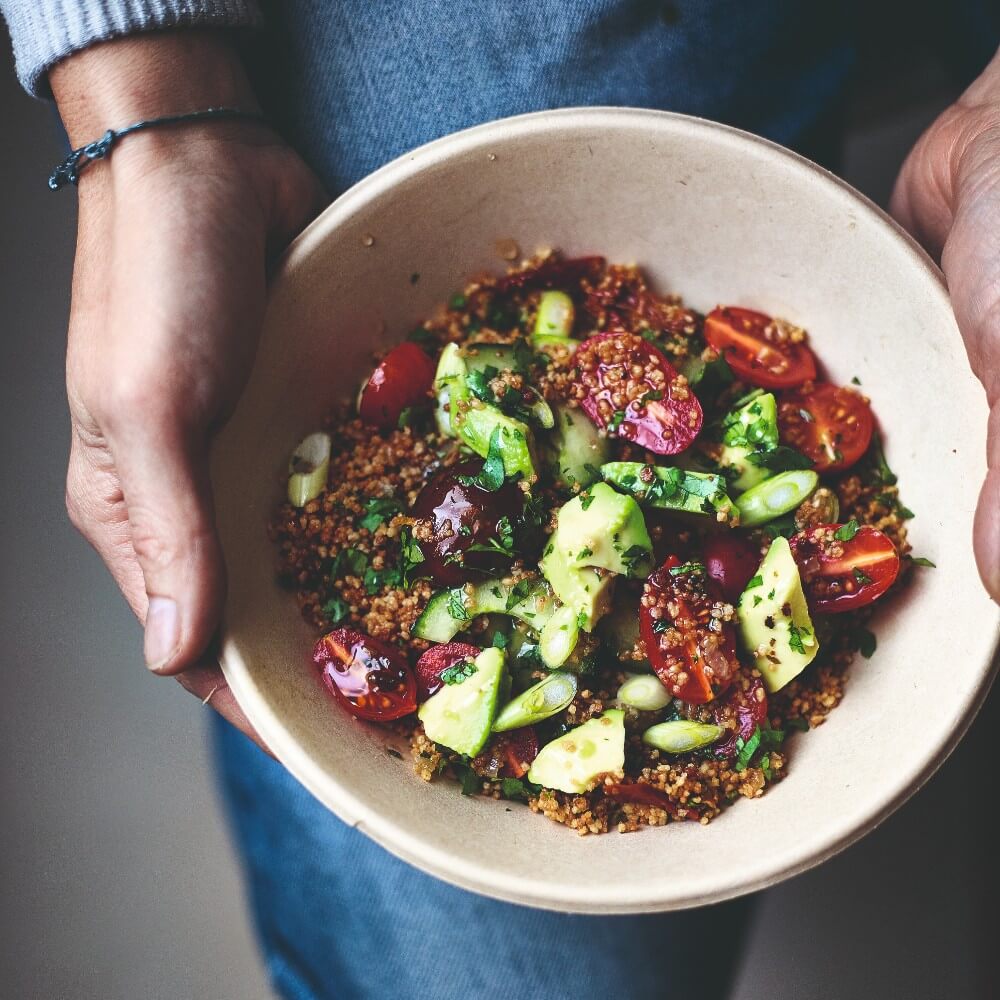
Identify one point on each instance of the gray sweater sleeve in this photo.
(45, 31)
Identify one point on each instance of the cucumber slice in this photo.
(576, 450)
(448, 612)
(479, 357)
(541, 701)
(449, 385)
(668, 488)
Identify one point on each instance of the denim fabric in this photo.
(338, 917)
(358, 82)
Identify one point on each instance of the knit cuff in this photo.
(46, 31)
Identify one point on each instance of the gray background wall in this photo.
(116, 876)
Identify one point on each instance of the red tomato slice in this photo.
(403, 379)
(371, 679)
(554, 272)
(746, 702)
(509, 755)
(664, 416)
(693, 653)
(731, 561)
(436, 661)
(756, 349)
(831, 424)
(844, 575)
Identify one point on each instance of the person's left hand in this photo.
(948, 196)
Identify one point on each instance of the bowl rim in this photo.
(354, 810)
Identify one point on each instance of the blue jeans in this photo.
(337, 916)
(356, 83)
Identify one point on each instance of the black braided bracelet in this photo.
(68, 172)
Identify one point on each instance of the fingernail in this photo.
(163, 632)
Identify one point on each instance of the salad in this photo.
(593, 551)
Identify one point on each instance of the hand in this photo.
(175, 233)
(948, 196)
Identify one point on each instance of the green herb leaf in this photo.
(586, 499)
(688, 567)
(861, 576)
(500, 640)
(491, 477)
(456, 606)
(746, 750)
(519, 592)
(865, 641)
(754, 581)
(349, 562)
(457, 301)
(923, 561)
(797, 722)
(795, 638)
(410, 555)
(514, 788)
(336, 610)
(780, 459)
(378, 511)
(458, 673)
(585, 553)
(468, 779)
(616, 421)
(847, 531)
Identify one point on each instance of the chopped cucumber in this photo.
(749, 429)
(576, 448)
(775, 496)
(644, 692)
(460, 716)
(669, 488)
(541, 701)
(448, 612)
(681, 735)
(449, 387)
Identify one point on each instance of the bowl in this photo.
(718, 216)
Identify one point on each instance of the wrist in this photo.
(116, 83)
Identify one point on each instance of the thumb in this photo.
(163, 467)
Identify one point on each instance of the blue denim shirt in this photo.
(359, 82)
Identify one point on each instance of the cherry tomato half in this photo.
(664, 416)
(509, 755)
(436, 661)
(371, 679)
(730, 560)
(831, 424)
(757, 350)
(692, 652)
(843, 575)
(403, 379)
(746, 703)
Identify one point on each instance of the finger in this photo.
(986, 529)
(163, 465)
(207, 683)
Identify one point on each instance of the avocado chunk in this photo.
(576, 448)
(774, 620)
(667, 488)
(574, 761)
(606, 530)
(748, 430)
(460, 716)
(586, 591)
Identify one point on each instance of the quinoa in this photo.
(344, 554)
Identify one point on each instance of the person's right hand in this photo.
(176, 230)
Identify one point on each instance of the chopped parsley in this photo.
(662, 625)
(795, 634)
(865, 642)
(923, 561)
(519, 592)
(349, 562)
(686, 568)
(491, 477)
(632, 555)
(502, 543)
(745, 749)
(500, 640)
(378, 510)
(755, 581)
(581, 620)
(457, 301)
(847, 531)
(456, 605)
(855, 380)
(586, 499)
(335, 610)
(617, 418)
(780, 459)
(410, 555)
(517, 789)
(458, 673)
(468, 780)
(799, 723)
(585, 553)
(861, 576)
(878, 471)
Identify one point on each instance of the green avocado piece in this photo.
(583, 589)
(751, 428)
(574, 761)
(576, 448)
(460, 715)
(774, 620)
(604, 529)
(667, 488)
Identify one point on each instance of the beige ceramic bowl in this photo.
(719, 216)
